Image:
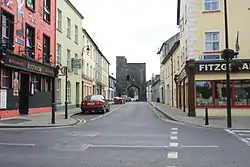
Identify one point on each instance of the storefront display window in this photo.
(204, 93)
(214, 93)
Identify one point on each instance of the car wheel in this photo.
(83, 112)
(103, 111)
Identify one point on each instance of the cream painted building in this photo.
(69, 53)
(88, 64)
(201, 81)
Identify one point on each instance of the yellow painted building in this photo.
(88, 64)
(201, 82)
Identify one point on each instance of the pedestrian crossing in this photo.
(241, 134)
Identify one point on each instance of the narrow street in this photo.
(132, 135)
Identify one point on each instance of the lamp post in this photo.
(228, 55)
(87, 49)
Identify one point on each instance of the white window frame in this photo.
(210, 1)
(76, 34)
(212, 31)
(58, 53)
(59, 95)
(68, 92)
(59, 19)
(69, 59)
(68, 27)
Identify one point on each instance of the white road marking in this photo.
(17, 144)
(241, 131)
(174, 133)
(197, 146)
(237, 136)
(172, 155)
(243, 134)
(174, 129)
(248, 138)
(173, 138)
(125, 146)
(171, 166)
(173, 144)
(104, 115)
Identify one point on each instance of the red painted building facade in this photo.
(28, 39)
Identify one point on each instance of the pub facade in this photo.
(27, 57)
(202, 84)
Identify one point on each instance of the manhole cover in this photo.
(14, 121)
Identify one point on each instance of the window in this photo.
(46, 49)
(83, 66)
(59, 83)
(211, 5)
(58, 53)
(69, 92)
(5, 78)
(7, 29)
(76, 34)
(90, 47)
(83, 40)
(30, 4)
(59, 19)
(37, 82)
(204, 93)
(30, 41)
(47, 84)
(91, 71)
(68, 59)
(46, 11)
(68, 27)
(212, 42)
(87, 69)
(242, 93)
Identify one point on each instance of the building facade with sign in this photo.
(27, 69)
(112, 88)
(201, 81)
(88, 64)
(69, 45)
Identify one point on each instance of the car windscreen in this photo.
(92, 98)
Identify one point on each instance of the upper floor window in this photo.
(211, 5)
(29, 3)
(46, 11)
(59, 19)
(212, 41)
(30, 41)
(58, 53)
(46, 49)
(68, 59)
(7, 29)
(76, 33)
(68, 27)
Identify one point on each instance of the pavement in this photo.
(214, 121)
(130, 135)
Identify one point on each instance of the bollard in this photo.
(206, 116)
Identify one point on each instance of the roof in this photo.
(73, 7)
(161, 47)
(167, 41)
(171, 51)
(112, 77)
(93, 42)
(178, 11)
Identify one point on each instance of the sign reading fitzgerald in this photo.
(218, 66)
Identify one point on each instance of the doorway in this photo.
(77, 94)
(24, 94)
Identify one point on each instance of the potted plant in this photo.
(236, 65)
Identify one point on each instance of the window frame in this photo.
(8, 76)
(34, 5)
(233, 105)
(58, 90)
(48, 12)
(28, 26)
(10, 27)
(46, 37)
(59, 20)
(58, 56)
(76, 34)
(68, 24)
(68, 92)
(210, 2)
(68, 59)
(219, 40)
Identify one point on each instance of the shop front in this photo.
(202, 84)
(26, 86)
(98, 88)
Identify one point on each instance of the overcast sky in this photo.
(132, 28)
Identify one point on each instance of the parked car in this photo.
(95, 103)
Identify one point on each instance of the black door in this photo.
(24, 94)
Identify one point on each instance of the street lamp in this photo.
(228, 55)
(88, 50)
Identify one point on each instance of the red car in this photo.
(96, 103)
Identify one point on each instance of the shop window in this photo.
(7, 30)
(242, 93)
(5, 79)
(46, 11)
(47, 84)
(204, 93)
(37, 82)
(46, 49)
(69, 92)
(30, 41)
(220, 93)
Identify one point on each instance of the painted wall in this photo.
(35, 19)
(75, 76)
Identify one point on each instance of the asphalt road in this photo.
(132, 135)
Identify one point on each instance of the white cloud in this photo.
(131, 28)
